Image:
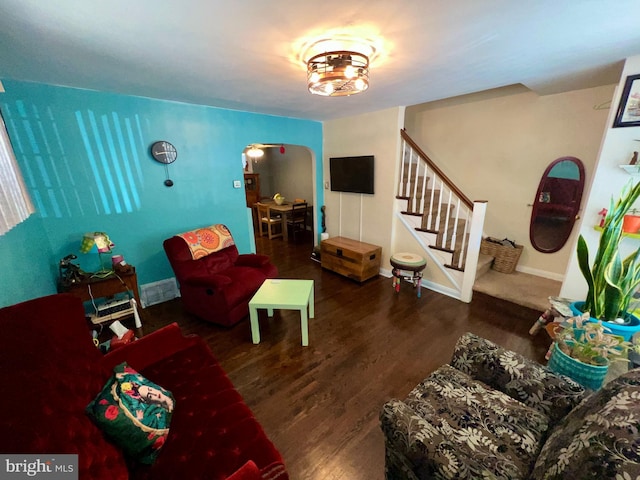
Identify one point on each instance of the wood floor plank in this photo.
(319, 404)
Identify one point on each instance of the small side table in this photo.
(283, 294)
(407, 262)
(99, 287)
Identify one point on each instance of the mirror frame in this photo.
(573, 213)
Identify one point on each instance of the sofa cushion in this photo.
(213, 432)
(134, 413)
(599, 439)
(519, 377)
(476, 431)
(50, 370)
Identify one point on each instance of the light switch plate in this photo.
(236, 184)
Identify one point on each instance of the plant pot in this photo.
(626, 330)
(631, 223)
(589, 376)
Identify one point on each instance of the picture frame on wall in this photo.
(628, 114)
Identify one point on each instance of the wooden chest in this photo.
(356, 260)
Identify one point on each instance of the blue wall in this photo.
(85, 158)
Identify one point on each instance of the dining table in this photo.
(285, 209)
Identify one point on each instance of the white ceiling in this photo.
(244, 54)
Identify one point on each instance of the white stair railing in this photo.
(444, 210)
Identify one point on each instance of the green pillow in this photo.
(134, 413)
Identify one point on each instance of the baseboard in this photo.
(541, 273)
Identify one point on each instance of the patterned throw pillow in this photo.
(134, 413)
(599, 438)
(517, 376)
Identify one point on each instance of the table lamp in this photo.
(102, 242)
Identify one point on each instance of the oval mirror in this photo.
(556, 204)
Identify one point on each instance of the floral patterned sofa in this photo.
(493, 414)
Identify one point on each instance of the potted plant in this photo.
(631, 221)
(583, 350)
(611, 280)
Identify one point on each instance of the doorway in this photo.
(285, 170)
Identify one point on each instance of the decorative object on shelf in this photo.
(103, 244)
(631, 221)
(603, 216)
(628, 114)
(634, 159)
(338, 73)
(583, 350)
(279, 199)
(70, 272)
(164, 153)
(611, 280)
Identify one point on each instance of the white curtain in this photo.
(15, 204)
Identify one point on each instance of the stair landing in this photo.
(520, 288)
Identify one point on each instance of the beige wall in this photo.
(496, 145)
(367, 218)
(290, 174)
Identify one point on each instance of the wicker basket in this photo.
(506, 258)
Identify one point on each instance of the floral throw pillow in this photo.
(134, 413)
(599, 438)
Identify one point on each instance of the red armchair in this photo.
(51, 370)
(216, 283)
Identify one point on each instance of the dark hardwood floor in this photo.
(319, 404)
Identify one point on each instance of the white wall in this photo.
(367, 218)
(617, 147)
(495, 145)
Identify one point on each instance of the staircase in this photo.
(441, 218)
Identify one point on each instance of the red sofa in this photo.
(216, 286)
(50, 370)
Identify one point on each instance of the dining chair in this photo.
(297, 219)
(272, 220)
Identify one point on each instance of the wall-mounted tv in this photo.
(352, 174)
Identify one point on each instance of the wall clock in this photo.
(164, 153)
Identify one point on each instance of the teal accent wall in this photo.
(85, 159)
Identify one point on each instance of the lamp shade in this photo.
(99, 239)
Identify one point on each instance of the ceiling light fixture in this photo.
(254, 152)
(338, 73)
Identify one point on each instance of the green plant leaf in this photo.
(611, 282)
(583, 263)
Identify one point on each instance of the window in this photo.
(15, 204)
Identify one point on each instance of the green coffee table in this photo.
(283, 294)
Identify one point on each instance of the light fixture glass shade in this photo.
(338, 73)
(254, 152)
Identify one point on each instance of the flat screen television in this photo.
(352, 174)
